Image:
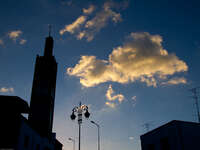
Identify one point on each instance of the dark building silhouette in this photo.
(34, 133)
(175, 135)
(43, 91)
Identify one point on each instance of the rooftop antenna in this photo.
(49, 30)
(195, 97)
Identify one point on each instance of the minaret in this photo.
(43, 91)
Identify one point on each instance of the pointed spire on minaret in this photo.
(48, 50)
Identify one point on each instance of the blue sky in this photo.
(142, 57)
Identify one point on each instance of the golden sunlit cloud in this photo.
(89, 10)
(141, 58)
(74, 26)
(83, 28)
(14, 34)
(175, 81)
(100, 20)
(111, 97)
(6, 90)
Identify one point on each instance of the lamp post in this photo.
(73, 140)
(80, 110)
(98, 127)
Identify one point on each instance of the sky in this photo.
(132, 62)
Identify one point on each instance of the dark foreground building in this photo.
(34, 133)
(175, 135)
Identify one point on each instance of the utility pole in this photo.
(195, 97)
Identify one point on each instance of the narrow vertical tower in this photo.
(43, 91)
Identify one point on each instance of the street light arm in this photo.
(98, 127)
(73, 140)
(95, 124)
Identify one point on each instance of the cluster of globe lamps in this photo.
(78, 112)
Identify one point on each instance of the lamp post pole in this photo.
(79, 110)
(98, 127)
(73, 140)
(79, 143)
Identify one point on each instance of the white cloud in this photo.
(93, 26)
(175, 81)
(141, 58)
(111, 97)
(89, 10)
(22, 41)
(6, 90)
(14, 34)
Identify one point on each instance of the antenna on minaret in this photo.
(195, 97)
(49, 30)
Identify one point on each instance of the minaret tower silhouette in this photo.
(43, 90)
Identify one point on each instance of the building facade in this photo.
(175, 135)
(43, 91)
(34, 133)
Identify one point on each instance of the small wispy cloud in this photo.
(67, 2)
(83, 28)
(14, 34)
(175, 81)
(112, 98)
(1, 42)
(134, 98)
(141, 58)
(22, 41)
(131, 138)
(110, 104)
(74, 26)
(6, 90)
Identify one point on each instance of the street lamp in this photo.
(98, 127)
(73, 140)
(79, 110)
